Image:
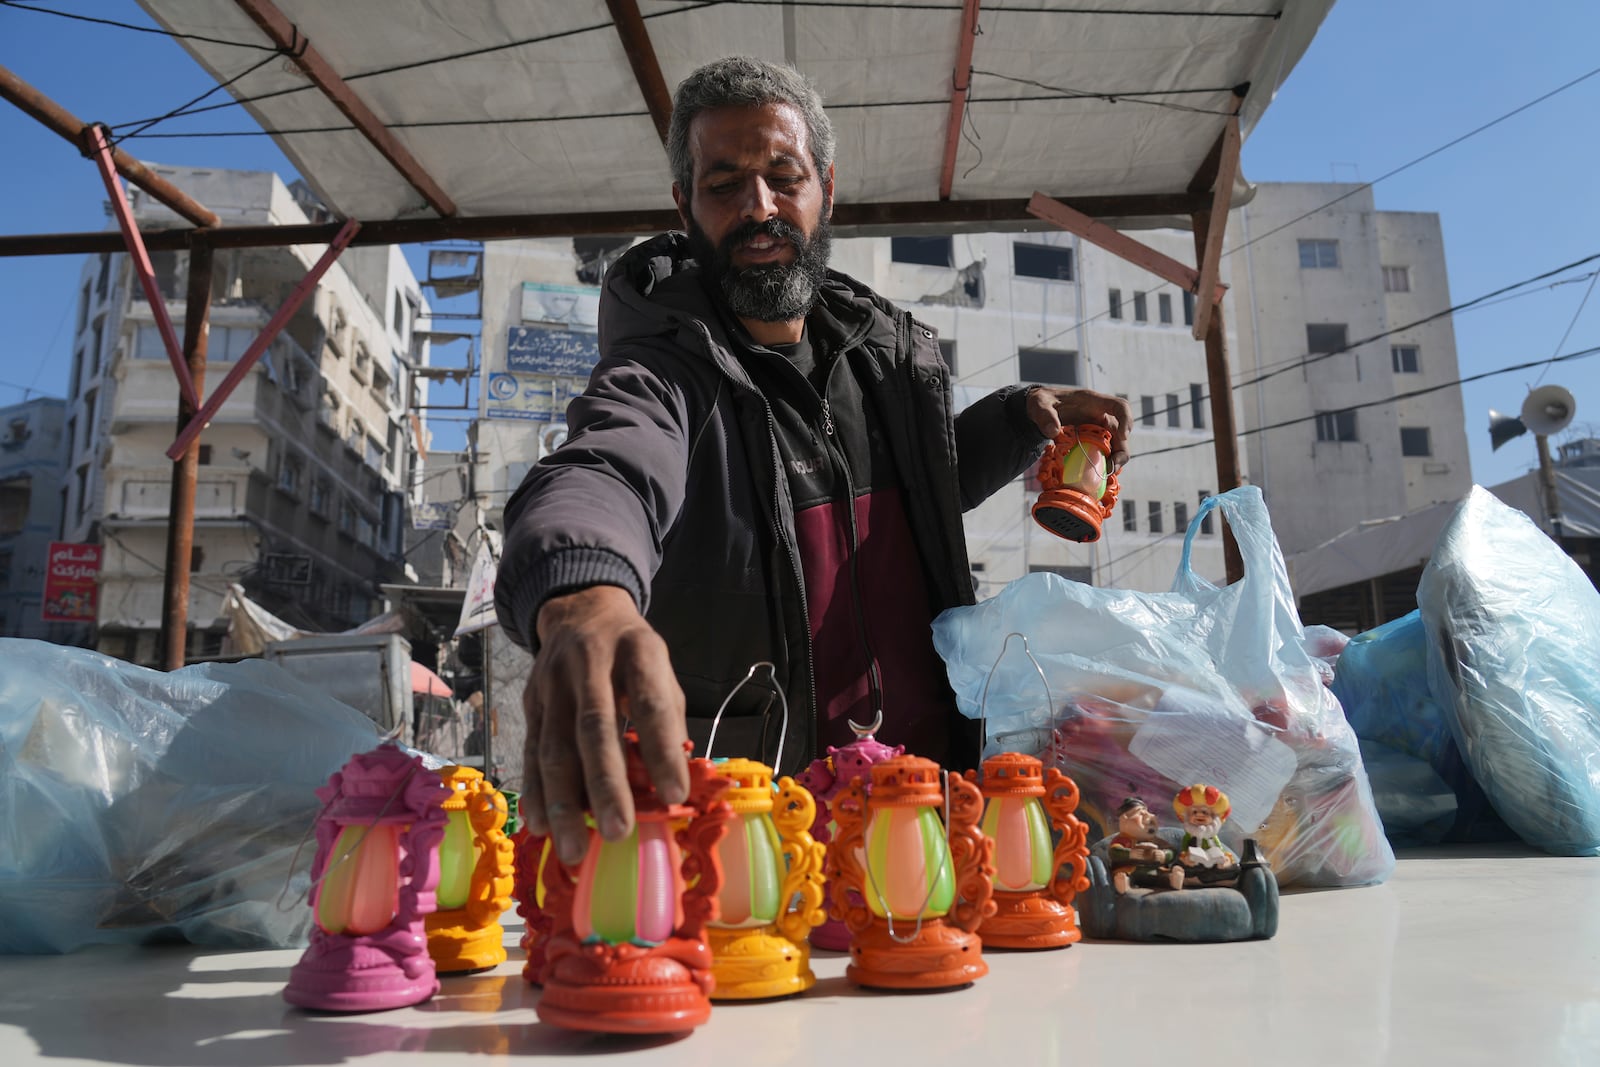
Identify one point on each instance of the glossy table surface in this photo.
(1482, 956)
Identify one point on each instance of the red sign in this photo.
(71, 582)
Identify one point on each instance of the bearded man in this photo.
(1203, 809)
(766, 467)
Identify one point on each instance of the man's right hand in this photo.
(599, 663)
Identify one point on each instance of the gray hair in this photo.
(740, 81)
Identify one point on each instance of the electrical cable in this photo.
(140, 29)
(1575, 316)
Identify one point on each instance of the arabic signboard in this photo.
(71, 581)
(547, 350)
(530, 397)
(576, 307)
(433, 516)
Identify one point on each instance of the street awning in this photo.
(947, 112)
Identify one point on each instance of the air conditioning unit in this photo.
(15, 433)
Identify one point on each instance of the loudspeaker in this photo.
(1547, 410)
(1503, 428)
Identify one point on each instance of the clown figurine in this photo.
(1139, 857)
(1202, 809)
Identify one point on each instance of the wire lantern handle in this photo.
(983, 702)
(783, 704)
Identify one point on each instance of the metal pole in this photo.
(180, 515)
(1547, 484)
(486, 719)
(1220, 386)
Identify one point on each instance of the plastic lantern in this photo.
(622, 938)
(826, 778)
(771, 893)
(464, 933)
(1034, 882)
(372, 882)
(1080, 490)
(922, 895)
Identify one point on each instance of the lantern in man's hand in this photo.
(1079, 486)
(372, 880)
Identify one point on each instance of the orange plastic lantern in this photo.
(622, 939)
(771, 893)
(924, 886)
(1034, 882)
(475, 876)
(1080, 489)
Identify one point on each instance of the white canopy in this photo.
(535, 108)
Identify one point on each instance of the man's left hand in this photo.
(1051, 409)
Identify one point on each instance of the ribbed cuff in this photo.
(1017, 414)
(567, 571)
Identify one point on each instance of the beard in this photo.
(767, 292)
(1204, 831)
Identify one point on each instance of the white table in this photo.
(1464, 957)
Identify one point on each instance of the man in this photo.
(766, 467)
(1139, 856)
(1202, 809)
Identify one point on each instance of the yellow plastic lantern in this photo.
(475, 876)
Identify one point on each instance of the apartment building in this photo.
(30, 470)
(302, 494)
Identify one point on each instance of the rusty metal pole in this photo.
(1220, 386)
(185, 471)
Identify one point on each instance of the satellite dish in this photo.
(1547, 410)
(1503, 428)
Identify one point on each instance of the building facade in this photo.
(1335, 291)
(30, 514)
(306, 470)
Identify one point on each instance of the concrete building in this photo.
(304, 472)
(1321, 278)
(31, 466)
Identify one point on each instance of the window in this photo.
(373, 453)
(1397, 279)
(399, 314)
(947, 352)
(88, 418)
(290, 471)
(363, 366)
(1319, 254)
(16, 497)
(1130, 517)
(1141, 313)
(1041, 261)
(5, 568)
(1080, 574)
(1048, 365)
(1164, 307)
(1174, 409)
(1155, 516)
(1405, 359)
(1414, 441)
(95, 345)
(1188, 309)
(1205, 520)
(197, 558)
(1116, 303)
(318, 500)
(83, 307)
(1325, 337)
(71, 437)
(205, 455)
(1197, 405)
(1147, 410)
(1336, 426)
(83, 490)
(105, 275)
(1180, 516)
(928, 251)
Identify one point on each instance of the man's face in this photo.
(757, 213)
(1201, 817)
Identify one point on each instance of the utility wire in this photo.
(1575, 316)
(1113, 98)
(140, 29)
(141, 127)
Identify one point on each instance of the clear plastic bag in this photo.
(1153, 691)
(137, 805)
(1514, 659)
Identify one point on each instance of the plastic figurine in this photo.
(1080, 490)
(826, 778)
(622, 938)
(1139, 855)
(1203, 809)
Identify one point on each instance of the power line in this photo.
(1575, 316)
(1114, 98)
(1580, 354)
(139, 29)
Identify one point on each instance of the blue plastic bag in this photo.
(1153, 691)
(1514, 658)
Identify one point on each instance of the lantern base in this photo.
(832, 935)
(626, 989)
(1029, 920)
(758, 963)
(376, 973)
(939, 956)
(459, 945)
(1070, 514)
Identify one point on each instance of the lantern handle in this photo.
(883, 901)
(783, 704)
(983, 702)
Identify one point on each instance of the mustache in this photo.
(750, 229)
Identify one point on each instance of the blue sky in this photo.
(1383, 83)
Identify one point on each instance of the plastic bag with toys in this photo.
(1150, 692)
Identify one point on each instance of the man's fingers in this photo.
(532, 802)
(656, 708)
(600, 755)
(562, 777)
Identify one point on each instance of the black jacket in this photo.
(670, 482)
